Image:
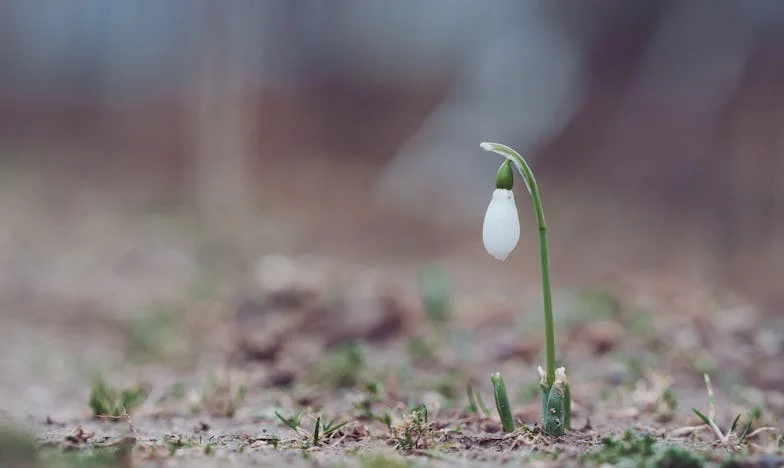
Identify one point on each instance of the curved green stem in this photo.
(533, 189)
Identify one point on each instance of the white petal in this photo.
(501, 228)
(560, 375)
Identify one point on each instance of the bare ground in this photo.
(319, 310)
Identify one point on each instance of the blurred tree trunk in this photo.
(220, 121)
(749, 194)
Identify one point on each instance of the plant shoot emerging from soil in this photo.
(730, 440)
(500, 234)
(502, 402)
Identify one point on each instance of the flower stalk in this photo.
(556, 396)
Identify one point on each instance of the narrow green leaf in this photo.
(554, 417)
(545, 392)
(472, 404)
(292, 423)
(735, 423)
(334, 429)
(502, 402)
(422, 413)
(316, 431)
(744, 433)
(701, 416)
(567, 407)
(482, 405)
(475, 401)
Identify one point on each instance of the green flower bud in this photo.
(505, 177)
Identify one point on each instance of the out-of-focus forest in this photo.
(661, 121)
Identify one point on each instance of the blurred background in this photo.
(141, 141)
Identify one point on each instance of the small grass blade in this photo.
(482, 405)
(734, 423)
(701, 416)
(744, 433)
(472, 405)
(475, 401)
(711, 398)
(316, 431)
(331, 429)
(420, 413)
(292, 423)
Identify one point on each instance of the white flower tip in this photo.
(560, 376)
(542, 376)
(486, 145)
(501, 227)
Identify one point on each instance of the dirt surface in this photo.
(314, 309)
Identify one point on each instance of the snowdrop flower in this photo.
(500, 234)
(501, 228)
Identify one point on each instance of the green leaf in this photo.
(545, 392)
(475, 402)
(472, 404)
(554, 417)
(316, 431)
(734, 423)
(502, 402)
(701, 416)
(482, 405)
(332, 429)
(292, 422)
(567, 416)
(744, 433)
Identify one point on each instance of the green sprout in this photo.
(500, 234)
(415, 431)
(502, 402)
(108, 402)
(730, 440)
(475, 401)
(322, 430)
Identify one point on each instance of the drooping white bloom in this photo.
(501, 228)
